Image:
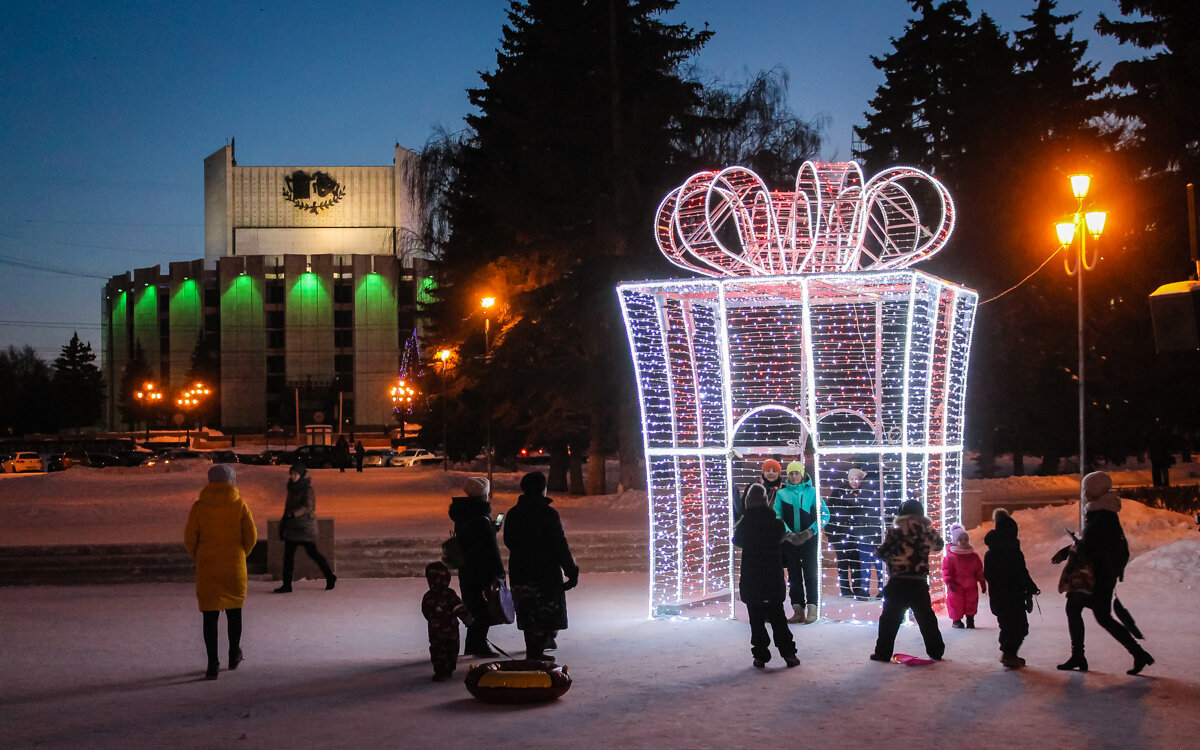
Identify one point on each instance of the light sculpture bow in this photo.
(834, 221)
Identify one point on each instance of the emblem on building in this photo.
(312, 193)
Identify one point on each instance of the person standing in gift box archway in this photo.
(473, 525)
(803, 514)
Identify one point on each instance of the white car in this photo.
(23, 461)
(414, 456)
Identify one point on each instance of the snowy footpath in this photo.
(122, 666)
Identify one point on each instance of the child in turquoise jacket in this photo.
(804, 515)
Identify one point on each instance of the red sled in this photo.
(909, 660)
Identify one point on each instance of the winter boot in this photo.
(810, 615)
(1078, 662)
(797, 614)
(214, 669)
(235, 658)
(332, 579)
(284, 589)
(970, 622)
(957, 623)
(1140, 661)
(1012, 661)
(791, 661)
(759, 663)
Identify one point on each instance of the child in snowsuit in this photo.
(443, 609)
(962, 570)
(1012, 593)
(759, 533)
(905, 551)
(797, 504)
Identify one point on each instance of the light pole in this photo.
(444, 355)
(148, 397)
(1076, 263)
(189, 400)
(402, 397)
(486, 303)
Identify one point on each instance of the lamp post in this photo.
(402, 397)
(148, 397)
(189, 400)
(487, 303)
(1076, 263)
(444, 355)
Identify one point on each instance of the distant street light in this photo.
(402, 397)
(444, 355)
(189, 400)
(148, 398)
(487, 303)
(1076, 262)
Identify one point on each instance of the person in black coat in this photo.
(1103, 543)
(298, 528)
(759, 532)
(472, 516)
(341, 453)
(359, 454)
(538, 560)
(1010, 587)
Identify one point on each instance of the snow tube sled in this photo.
(518, 681)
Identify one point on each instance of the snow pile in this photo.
(1177, 563)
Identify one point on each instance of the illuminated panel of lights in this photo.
(863, 361)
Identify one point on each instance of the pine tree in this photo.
(28, 405)
(78, 385)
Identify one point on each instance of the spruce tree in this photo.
(78, 385)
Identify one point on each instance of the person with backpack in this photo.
(905, 550)
(1103, 545)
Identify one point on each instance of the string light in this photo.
(818, 335)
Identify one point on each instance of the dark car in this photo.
(315, 456)
(270, 457)
(224, 457)
(176, 456)
(67, 459)
(104, 460)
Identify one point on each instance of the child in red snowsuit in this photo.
(962, 570)
(443, 609)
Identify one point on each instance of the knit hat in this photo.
(476, 487)
(299, 468)
(912, 508)
(796, 466)
(437, 574)
(771, 463)
(533, 483)
(222, 473)
(957, 532)
(1096, 493)
(756, 496)
(1004, 522)
(856, 475)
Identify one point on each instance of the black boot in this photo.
(213, 670)
(1140, 662)
(971, 622)
(1075, 662)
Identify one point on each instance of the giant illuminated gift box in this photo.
(813, 332)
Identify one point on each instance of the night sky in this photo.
(108, 110)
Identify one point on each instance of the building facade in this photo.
(306, 296)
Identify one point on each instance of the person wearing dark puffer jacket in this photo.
(759, 533)
(1011, 589)
(298, 528)
(538, 560)
(905, 551)
(472, 516)
(1103, 543)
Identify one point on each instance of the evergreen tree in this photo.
(78, 385)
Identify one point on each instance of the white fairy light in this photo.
(817, 334)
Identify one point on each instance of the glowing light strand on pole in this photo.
(812, 330)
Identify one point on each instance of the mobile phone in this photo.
(499, 519)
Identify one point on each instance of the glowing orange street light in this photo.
(444, 356)
(487, 303)
(147, 398)
(1081, 224)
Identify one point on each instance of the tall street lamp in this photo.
(402, 398)
(148, 397)
(487, 303)
(1076, 262)
(444, 355)
(188, 401)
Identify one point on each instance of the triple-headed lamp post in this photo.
(1076, 259)
(487, 303)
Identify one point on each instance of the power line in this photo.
(4, 259)
(39, 240)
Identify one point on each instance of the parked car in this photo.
(176, 456)
(314, 456)
(22, 461)
(413, 457)
(133, 457)
(224, 457)
(378, 457)
(67, 459)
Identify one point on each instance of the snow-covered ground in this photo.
(121, 666)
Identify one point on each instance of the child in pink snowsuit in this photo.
(962, 570)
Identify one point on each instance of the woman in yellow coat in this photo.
(220, 534)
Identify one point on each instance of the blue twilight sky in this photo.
(108, 110)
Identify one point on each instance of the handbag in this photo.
(1078, 575)
(452, 553)
(498, 602)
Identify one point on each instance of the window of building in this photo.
(274, 319)
(275, 364)
(343, 363)
(274, 293)
(343, 318)
(274, 339)
(343, 339)
(212, 323)
(343, 293)
(211, 298)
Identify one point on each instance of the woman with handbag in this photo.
(1102, 543)
(538, 560)
(298, 528)
(473, 526)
